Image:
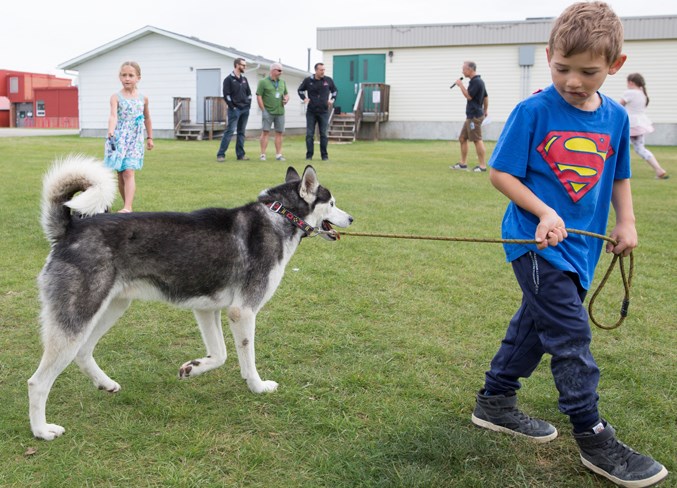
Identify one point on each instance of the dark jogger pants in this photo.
(553, 320)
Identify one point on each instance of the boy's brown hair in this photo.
(588, 26)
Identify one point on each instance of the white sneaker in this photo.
(262, 157)
(280, 157)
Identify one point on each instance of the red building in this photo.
(37, 100)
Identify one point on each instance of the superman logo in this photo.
(576, 158)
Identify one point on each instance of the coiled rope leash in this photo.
(627, 279)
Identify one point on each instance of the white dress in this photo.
(635, 104)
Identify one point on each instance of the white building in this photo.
(420, 62)
(172, 66)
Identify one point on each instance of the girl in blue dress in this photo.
(124, 147)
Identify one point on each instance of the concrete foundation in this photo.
(664, 135)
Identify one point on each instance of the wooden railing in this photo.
(372, 105)
(375, 98)
(215, 115)
(181, 112)
(357, 110)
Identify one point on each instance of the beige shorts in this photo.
(472, 130)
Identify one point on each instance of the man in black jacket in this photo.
(321, 94)
(238, 96)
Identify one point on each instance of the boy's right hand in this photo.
(550, 231)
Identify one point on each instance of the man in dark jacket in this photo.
(318, 92)
(238, 96)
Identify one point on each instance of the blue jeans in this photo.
(553, 320)
(237, 117)
(322, 120)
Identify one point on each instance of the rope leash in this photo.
(627, 279)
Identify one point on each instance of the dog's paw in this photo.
(200, 366)
(262, 386)
(186, 369)
(48, 432)
(110, 386)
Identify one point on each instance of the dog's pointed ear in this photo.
(292, 175)
(309, 184)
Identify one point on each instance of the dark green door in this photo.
(350, 71)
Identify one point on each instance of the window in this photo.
(14, 84)
(40, 108)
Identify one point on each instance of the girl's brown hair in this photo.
(638, 80)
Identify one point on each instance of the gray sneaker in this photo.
(500, 413)
(463, 167)
(602, 453)
(280, 157)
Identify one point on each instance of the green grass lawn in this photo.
(379, 345)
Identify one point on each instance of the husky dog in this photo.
(206, 260)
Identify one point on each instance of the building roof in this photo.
(73, 64)
(529, 31)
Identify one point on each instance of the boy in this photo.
(562, 158)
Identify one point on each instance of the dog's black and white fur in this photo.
(206, 260)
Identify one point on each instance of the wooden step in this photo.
(342, 128)
(340, 139)
(188, 131)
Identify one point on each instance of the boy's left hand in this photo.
(149, 144)
(550, 230)
(626, 237)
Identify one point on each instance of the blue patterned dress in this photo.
(127, 150)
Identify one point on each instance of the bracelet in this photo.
(148, 137)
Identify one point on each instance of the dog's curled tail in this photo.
(79, 183)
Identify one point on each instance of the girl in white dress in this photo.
(635, 100)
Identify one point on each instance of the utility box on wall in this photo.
(527, 55)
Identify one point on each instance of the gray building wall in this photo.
(427, 58)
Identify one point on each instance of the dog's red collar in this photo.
(278, 208)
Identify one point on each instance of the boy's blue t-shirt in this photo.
(569, 158)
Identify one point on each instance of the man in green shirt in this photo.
(272, 96)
